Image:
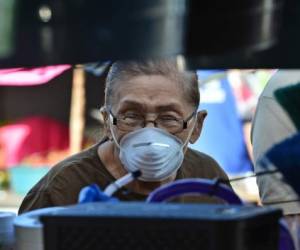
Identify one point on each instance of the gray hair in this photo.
(124, 70)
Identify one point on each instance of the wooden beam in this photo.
(77, 114)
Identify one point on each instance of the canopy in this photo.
(30, 76)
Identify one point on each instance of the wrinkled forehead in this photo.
(153, 90)
(148, 85)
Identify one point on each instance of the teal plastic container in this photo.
(24, 177)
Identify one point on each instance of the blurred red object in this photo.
(31, 136)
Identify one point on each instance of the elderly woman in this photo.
(150, 116)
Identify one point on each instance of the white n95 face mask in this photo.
(156, 153)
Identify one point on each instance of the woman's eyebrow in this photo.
(175, 107)
(132, 103)
(170, 107)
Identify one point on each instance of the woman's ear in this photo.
(198, 126)
(105, 115)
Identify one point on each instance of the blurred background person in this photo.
(271, 125)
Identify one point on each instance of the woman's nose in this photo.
(150, 124)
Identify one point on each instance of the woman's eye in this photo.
(131, 116)
(167, 118)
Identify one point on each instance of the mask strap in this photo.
(112, 133)
(190, 134)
